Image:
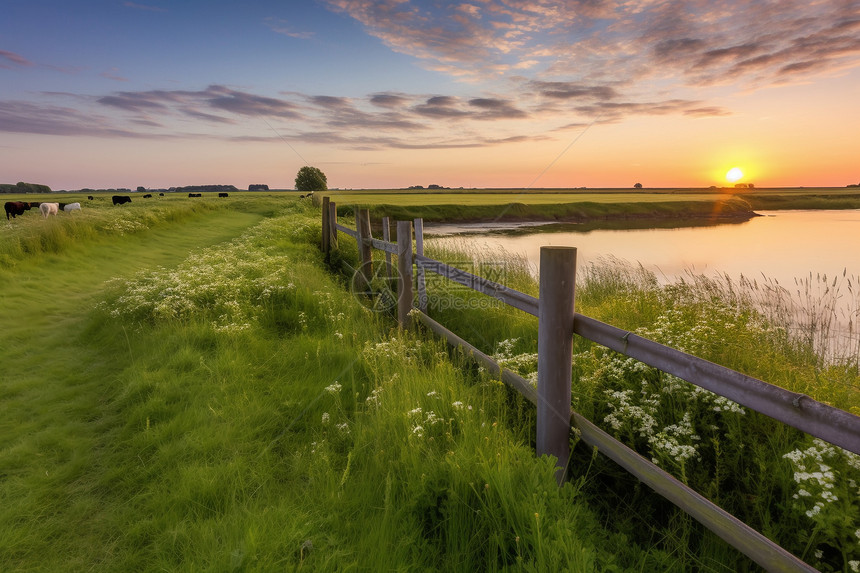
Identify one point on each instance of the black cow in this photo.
(161, 194)
(120, 199)
(16, 208)
(148, 196)
(223, 195)
(195, 195)
(90, 197)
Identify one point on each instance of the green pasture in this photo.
(578, 205)
(472, 197)
(188, 386)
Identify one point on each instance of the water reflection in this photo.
(780, 245)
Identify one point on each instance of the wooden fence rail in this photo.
(797, 410)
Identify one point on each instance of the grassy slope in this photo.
(56, 383)
(135, 441)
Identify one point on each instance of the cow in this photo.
(120, 199)
(49, 209)
(72, 207)
(90, 197)
(148, 196)
(15, 208)
(223, 195)
(195, 195)
(161, 194)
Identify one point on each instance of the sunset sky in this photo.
(393, 93)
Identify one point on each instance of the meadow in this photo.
(580, 205)
(188, 386)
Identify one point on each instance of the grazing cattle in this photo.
(16, 208)
(90, 197)
(72, 207)
(223, 195)
(161, 194)
(195, 195)
(49, 209)
(148, 196)
(120, 199)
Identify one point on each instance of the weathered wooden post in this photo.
(404, 268)
(419, 249)
(386, 236)
(364, 235)
(332, 226)
(555, 346)
(326, 232)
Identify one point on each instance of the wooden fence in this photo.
(557, 323)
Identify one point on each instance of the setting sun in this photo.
(734, 174)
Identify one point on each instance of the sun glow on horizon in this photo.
(734, 174)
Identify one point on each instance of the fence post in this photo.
(326, 233)
(364, 236)
(332, 226)
(404, 268)
(555, 346)
(419, 249)
(386, 236)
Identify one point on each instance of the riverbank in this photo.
(641, 209)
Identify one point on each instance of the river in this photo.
(779, 245)
(794, 249)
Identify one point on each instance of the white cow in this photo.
(72, 207)
(49, 209)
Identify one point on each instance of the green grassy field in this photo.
(579, 205)
(187, 386)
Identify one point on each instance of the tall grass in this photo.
(31, 234)
(239, 410)
(798, 491)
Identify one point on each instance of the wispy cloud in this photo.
(111, 75)
(146, 7)
(610, 42)
(8, 60)
(280, 26)
(383, 120)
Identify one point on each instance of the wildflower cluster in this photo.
(828, 493)
(227, 288)
(667, 418)
(524, 363)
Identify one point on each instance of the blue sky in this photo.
(394, 93)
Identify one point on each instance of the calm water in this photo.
(781, 245)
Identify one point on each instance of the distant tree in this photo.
(141, 188)
(638, 186)
(311, 179)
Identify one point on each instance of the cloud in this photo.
(26, 117)
(619, 43)
(390, 100)
(112, 76)
(383, 120)
(145, 7)
(280, 26)
(243, 103)
(8, 60)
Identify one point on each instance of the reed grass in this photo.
(798, 491)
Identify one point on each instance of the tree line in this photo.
(22, 187)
